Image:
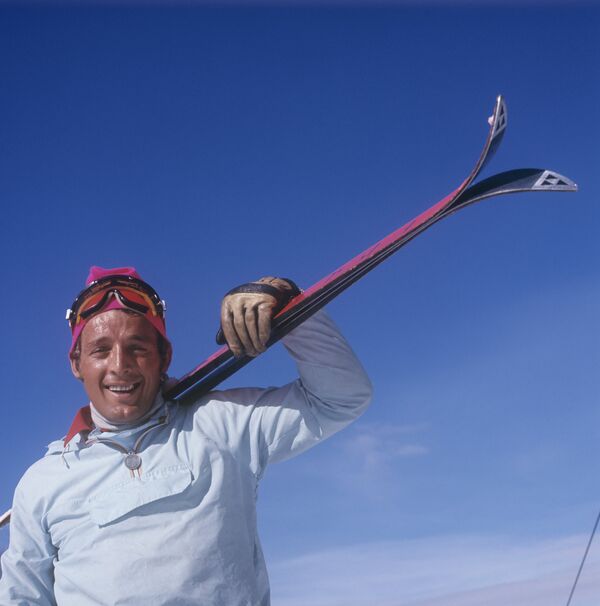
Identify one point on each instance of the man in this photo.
(148, 502)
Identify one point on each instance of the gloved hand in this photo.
(247, 310)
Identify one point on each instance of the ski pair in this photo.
(222, 364)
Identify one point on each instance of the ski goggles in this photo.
(127, 292)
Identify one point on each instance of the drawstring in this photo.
(66, 448)
(132, 460)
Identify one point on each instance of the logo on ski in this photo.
(553, 182)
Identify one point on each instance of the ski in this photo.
(222, 364)
(497, 127)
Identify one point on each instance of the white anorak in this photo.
(85, 533)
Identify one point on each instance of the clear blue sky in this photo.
(209, 146)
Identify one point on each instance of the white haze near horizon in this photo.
(456, 570)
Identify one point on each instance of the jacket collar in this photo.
(82, 422)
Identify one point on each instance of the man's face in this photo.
(120, 364)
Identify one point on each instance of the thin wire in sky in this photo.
(587, 549)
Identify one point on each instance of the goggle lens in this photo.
(135, 295)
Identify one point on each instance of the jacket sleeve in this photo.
(28, 563)
(270, 425)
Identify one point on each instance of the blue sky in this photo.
(209, 145)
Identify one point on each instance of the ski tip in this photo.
(520, 180)
(552, 181)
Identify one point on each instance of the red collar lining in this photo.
(81, 422)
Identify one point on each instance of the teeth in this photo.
(121, 388)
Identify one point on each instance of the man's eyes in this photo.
(133, 348)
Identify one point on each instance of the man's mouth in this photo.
(125, 388)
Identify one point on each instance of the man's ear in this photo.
(75, 368)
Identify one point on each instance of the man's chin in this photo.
(124, 412)
(123, 408)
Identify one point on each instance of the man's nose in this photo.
(120, 359)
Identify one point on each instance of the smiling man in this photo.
(149, 502)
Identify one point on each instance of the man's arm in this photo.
(333, 390)
(277, 423)
(28, 563)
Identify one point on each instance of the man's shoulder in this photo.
(224, 416)
(232, 402)
(235, 396)
(39, 477)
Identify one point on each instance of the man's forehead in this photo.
(118, 323)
